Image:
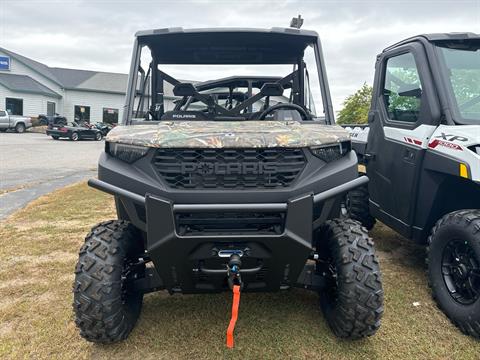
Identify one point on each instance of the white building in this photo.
(30, 88)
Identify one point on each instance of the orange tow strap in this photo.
(233, 320)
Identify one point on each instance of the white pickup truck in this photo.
(14, 122)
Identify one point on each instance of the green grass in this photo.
(38, 252)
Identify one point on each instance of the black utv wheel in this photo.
(453, 259)
(357, 204)
(352, 301)
(106, 309)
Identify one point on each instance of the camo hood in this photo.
(231, 134)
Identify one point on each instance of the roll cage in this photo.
(233, 90)
(225, 47)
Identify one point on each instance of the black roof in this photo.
(236, 82)
(438, 37)
(227, 45)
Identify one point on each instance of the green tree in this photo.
(356, 107)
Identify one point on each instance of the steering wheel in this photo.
(301, 110)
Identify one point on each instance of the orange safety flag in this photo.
(233, 320)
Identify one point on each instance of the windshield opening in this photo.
(462, 63)
(227, 92)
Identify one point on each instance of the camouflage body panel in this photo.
(228, 134)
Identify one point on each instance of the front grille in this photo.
(229, 168)
(214, 223)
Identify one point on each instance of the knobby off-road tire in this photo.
(104, 312)
(353, 300)
(457, 236)
(358, 207)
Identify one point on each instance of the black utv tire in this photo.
(358, 207)
(453, 259)
(104, 312)
(352, 302)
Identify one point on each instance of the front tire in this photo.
(453, 258)
(20, 128)
(74, 136)
(105, 310)
(352, 302)
(358, 207)
(98, 136)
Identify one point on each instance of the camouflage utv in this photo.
(231, 183)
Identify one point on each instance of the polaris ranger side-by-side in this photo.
(421, 150)
(231, 183)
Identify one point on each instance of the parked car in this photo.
(52, 119)
(74, 132)
(421, 150)
(104, 127)
(14, 122)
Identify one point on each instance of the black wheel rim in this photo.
(327, 268)
(133, 269)
(461, 272)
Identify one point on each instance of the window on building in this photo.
(50, 108)
(82, 113)
(110, 116)
(402, 92)
(14, 106)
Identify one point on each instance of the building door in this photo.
(14, 106)
(110, 116)
(82, 114)
(50, 108)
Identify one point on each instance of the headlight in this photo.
(127, 153)
(329, 153)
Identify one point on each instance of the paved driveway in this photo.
(34, 164)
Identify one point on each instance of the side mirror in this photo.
(271, 89)
(184, 89)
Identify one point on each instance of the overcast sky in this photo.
(98, 35)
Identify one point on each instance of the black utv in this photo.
(236, 182)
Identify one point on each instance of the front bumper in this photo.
(51, 132)
(190, 262)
